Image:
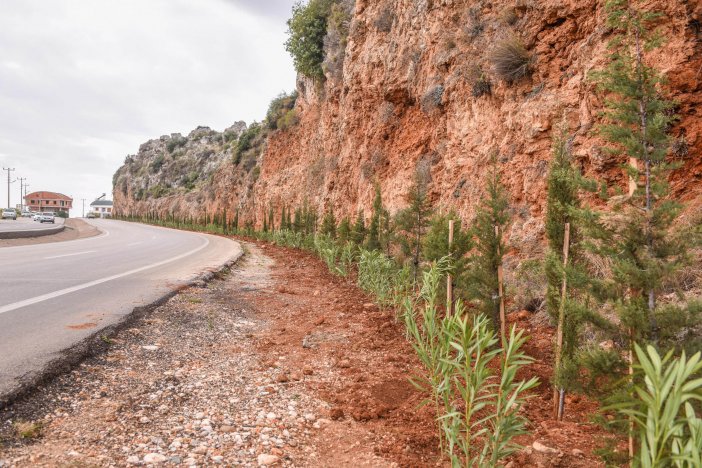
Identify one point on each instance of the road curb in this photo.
(31, 233)
(99, 342)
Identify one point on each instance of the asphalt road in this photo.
(56, 294)
(26, 224)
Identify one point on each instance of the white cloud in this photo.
(84, 82)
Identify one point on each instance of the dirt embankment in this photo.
(278, 363)
(75, 229)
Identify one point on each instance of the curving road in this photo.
(55, 295)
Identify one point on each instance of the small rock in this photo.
(200, 450)
(271, 415)
(336, 413)
(283, 378)
(541, 448)
(226, 429)
(217, 458)
(368, 305)
(344, 364)
(267, 459)
(133, 460)
(319, 321)
(154, 458)
(144, 420)
(577, 453)
(150, 347)
(307, 371)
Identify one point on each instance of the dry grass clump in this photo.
(27, 429)
(511, 60)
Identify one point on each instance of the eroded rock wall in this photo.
(406, 99)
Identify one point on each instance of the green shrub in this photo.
(662, 409)
(458, 353)
(157, 163)
(246, 141)
(281, 112)
(176, 142)
(511, 60)
(307, 29)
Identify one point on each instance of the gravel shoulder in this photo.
(278, 363)
(75, 229)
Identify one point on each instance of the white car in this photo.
(27, 214)
(9, 213)
(36, 216)
(47, 217)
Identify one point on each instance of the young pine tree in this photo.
(235, 221)
(637, 235)
(358, 232)
(283, 219)
(329, 224)
(378, 229)
(298, 223)
(413, 221)
(490, 221)
(567, 279)
(271, 218)
(344, 231)
(436, 244)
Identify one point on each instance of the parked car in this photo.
(27, 214)
(47, 217)
(91, 215)
(9, 213)
(36, 216)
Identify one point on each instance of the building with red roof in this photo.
(48, 201)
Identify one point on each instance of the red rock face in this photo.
(406, 100)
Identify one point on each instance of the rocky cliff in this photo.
(414, 87)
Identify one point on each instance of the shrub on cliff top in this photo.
(281, 112)
(511, 60)
(307, 29)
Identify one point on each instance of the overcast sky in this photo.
(84, 82)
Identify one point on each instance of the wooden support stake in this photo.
(559, 394)
(500, 292)
(449, 278)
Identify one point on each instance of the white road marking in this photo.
(70, 255)
(72, 289)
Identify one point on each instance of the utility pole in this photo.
(83, 199)
(21, 180)
(9, 171)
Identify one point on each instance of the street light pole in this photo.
(9, 171)
(83, 199)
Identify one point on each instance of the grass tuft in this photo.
(511, 60)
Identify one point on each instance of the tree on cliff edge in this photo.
(307, 29)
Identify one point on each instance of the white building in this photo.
(102, 208)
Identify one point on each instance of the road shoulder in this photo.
(252, 369)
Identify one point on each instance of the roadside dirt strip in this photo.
(277, 364)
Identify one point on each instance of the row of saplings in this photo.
(611, 270)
